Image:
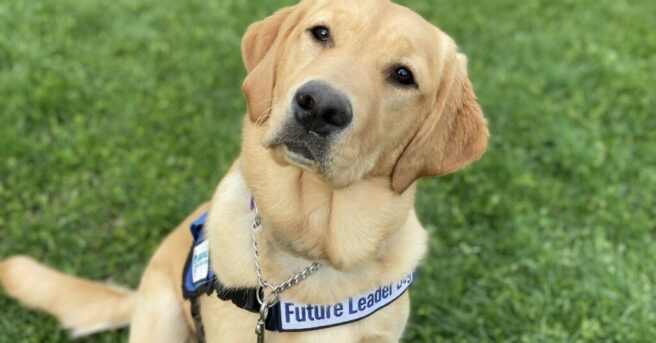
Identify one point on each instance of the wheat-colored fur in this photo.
(356, 218)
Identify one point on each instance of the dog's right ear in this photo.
(259, 49)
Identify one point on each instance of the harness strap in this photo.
(198, 319)
(245, 298)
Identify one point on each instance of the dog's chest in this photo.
(229, 226)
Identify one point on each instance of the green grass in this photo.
(117, 118)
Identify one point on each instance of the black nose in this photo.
(321, 109)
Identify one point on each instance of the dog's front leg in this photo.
(158, 315)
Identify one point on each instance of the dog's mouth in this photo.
(299, 154)
(295, 146)
(299, 149)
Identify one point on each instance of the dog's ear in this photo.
(259, 48)
(453, 134)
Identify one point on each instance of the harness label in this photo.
(201, 261)
(298, 317)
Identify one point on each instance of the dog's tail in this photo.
(83, 306)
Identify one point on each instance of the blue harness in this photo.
(285, 316)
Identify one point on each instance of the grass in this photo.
(117, 118)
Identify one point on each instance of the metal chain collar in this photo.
(276, 290)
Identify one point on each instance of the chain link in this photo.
(276, 290)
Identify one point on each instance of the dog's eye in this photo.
(403, 76)
(320, 33)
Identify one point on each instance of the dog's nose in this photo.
(321, 109)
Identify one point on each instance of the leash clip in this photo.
(260, 328)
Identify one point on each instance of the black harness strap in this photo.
(198, 320)
(244, 298)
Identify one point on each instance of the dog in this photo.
(348, 104)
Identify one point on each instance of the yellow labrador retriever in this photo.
(349, 103)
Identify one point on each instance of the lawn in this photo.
(118, 117)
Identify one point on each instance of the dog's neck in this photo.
(312, 220)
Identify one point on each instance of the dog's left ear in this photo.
(453, 135)
(259, 48)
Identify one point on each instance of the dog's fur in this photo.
(351, 209)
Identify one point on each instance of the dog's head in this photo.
(350, 89)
